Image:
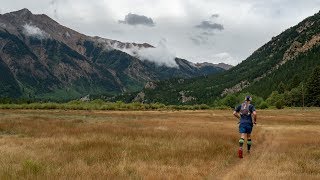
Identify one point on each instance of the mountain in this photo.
(39, 58)
(282, 64)
(220, 65)
(207, 67)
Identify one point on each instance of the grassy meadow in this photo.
(86, 144)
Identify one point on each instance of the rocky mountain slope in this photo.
(39, 58)
(282, 64)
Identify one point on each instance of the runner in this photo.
(246, 111)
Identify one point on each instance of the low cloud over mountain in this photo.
(34, 31)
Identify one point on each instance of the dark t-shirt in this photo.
(247, 119)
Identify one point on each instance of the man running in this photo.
(247, 111)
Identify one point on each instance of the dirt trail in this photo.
(267, 138)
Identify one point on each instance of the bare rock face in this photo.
(185, 98)
(85, 98)
(305, 26)
(224, 66)
(220, 65)
(140, 97)
(236, 88)
(150, 85)
(292, 52)
(180, 81)
(297, 48)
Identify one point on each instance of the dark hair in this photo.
(248, 98)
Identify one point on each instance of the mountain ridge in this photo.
(287, 59)
(44, 59)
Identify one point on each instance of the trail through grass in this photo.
(58, 144)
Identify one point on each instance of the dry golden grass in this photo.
(58, 144)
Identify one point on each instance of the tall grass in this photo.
(58, 144)
(112, 145)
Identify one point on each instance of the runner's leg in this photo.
(249, 142)
(241, 140)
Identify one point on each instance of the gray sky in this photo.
(197, 30)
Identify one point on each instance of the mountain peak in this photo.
(22, 12)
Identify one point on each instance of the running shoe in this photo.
(240, 153)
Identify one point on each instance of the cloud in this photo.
(34, 31)
(161, 55)
(207, 25)
(53, 4)
(225, 58)
(135, 19)
(117, 31)
(207, 30)
(207, 33)
(200, 39)
(214, 15)
(178, 22)
(196, 41)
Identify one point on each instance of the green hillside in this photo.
(281, 65)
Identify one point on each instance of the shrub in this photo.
(222, 107)
(204, 106)
(280, 104)
(230, 100)
(263, 105)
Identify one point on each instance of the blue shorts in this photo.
(245, 128)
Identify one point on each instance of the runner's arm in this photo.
(236, 114)
(254, 117)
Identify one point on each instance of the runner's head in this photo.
(248, 98)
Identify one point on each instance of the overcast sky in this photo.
(198, 30)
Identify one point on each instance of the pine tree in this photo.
(313, 88)
(295, 81)
(281, 87)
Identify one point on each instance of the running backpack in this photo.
(245, 109)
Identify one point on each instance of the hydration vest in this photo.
(245, 109)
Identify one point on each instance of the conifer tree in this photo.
(313, 88)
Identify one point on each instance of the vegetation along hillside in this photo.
(280, 70)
